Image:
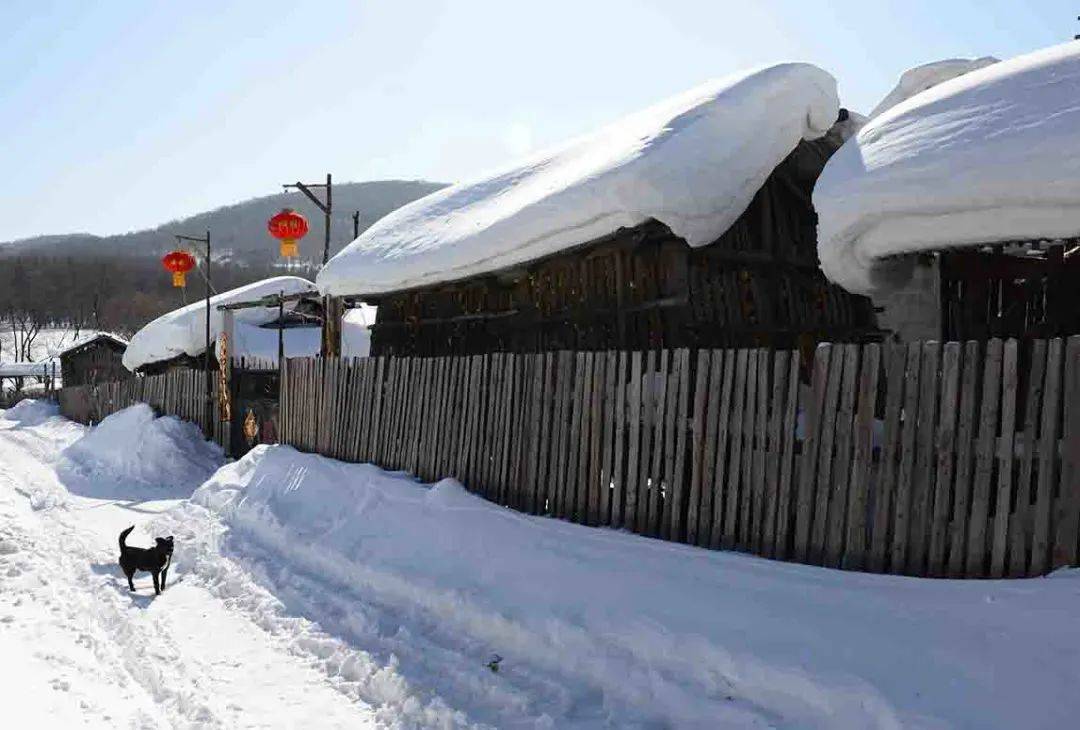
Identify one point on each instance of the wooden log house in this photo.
(98, 359)
(758, 284)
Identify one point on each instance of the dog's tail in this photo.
(123, 536)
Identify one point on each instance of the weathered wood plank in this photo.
(1067, 515)
(563, 423)
(975, 563)
(377, 420)
(607, 479)
(922, 487)
(656, 473)
(494, 413)
(718, 484)
(729, 536)
(1048, 445)
(757, 472)
(804, 509)
(902, 503)
(748, 428)
(785, 525)
(965, 449)
(479, 422)
(841, 470)
(816, 554)
(699, 445)
(575, 441)
(648, 411)
(1020, 531)
(618, 496)
(633, 454)
(594, 474)
(1003, 501)
(678, 490)
(945, 447)
(854, 555)
(773, 450)
(506, 430)
(703, 530)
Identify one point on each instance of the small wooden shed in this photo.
(97, 359)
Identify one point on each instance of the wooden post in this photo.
(333, 309)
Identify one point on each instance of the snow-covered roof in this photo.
(919, 79)
(693, 162)
(182, 332)
(91, 338)
(990, 156)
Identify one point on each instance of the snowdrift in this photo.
(693, 162)
(30, 412)
(605, 629)
(140, 454)
(993, 155)
(183, 331)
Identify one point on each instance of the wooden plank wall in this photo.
(927, 459)
(179, 393)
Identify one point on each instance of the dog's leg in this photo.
(157, 589)
(164, 575)
(131, 586)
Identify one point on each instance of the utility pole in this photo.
(355, 224)
(208, 427)
(332, 306)
(327, 207)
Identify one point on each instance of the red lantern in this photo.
(287, 226)
(179, 263)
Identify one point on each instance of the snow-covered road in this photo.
(79, 650)
(311, 593)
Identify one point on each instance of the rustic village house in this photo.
(96, 359)
(688, 224)
(960, 208)
(177, 339)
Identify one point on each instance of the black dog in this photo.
(155, 560)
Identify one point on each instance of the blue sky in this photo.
(123, 114)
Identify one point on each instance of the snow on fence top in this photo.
(183, 331)
(694, 162)
(990, 156)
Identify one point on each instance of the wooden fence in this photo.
(923, 459)
(180, 393)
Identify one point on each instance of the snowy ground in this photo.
(310, 593)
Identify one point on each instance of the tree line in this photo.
(115, 293)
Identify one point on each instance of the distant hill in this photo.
(239, 231)
(116, 283)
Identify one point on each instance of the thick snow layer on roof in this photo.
(919, 79)
(993, 155)
(694, 162)
(182, 332)
(90, 338)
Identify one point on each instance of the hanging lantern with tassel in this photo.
(179, 263)
(288, 226)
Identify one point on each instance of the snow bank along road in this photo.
(310, 593)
